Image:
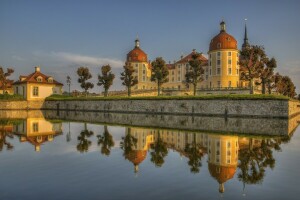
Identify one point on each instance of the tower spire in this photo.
(246, 43)
(137, 41)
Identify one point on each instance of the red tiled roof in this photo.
(137, 55)
(8, 85)
(32, 78)
(189, 57)
(170, 66)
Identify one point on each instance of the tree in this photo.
(84, 143)
(3, 77)
(266, 74)
(84, 75)
(158, 151)
(4, 134)
(128, 79)
(252, 62)
(106, 141)
(159, 73)
(195, 72)
(106, 79)
(284, 85)
(69, 84)
(299, 97)
(128, 143)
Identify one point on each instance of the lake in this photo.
(90, 155)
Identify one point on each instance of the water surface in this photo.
(49, 155)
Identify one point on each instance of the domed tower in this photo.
(222, 158)
(139, 60)
(223, 60)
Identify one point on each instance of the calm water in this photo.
(49, 155)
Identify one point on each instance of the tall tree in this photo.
(3, 77)
(69, 84)
(106, 141)
(128, 78)
(106, 79)
(160, 73)
(284, 85)
(266, 74)
(84, 75)
(195, 72)
(252, 62)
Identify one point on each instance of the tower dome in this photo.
(137, 54)
(223, 40)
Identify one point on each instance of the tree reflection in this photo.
(105, 141)
(83, 142)
(195, 154)
(4, 134)
(128, 143)
(158, 151)
(255, 159)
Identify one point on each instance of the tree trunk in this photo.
(251, 86)
(263, 85)
(69, 90)
(158, 89)
(195, 87)
(129, 91)
(105, 92)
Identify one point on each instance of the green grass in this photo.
(9, 97)
(202, 97)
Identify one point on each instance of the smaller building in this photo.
(37, 86)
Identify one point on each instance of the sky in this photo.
(62, 35)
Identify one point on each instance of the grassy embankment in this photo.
(9, 97)
(202, 97)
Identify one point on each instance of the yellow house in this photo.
(37, 86)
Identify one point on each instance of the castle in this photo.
(221, 68)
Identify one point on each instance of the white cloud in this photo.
(77, 59)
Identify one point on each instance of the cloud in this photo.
(71, 59)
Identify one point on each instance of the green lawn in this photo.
(202, 97)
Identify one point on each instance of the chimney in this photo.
(37, 69)
(194, 50)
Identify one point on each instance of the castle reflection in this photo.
(227, 155)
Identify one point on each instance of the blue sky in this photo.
(62, 35)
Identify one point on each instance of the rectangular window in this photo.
(36, 91)
(144, 78)
(229, 53)
(35, 127)
(237, 71)
(206, 77)
(229, 62)
(229, 71)
(144, 71)
(229, 85)
(219, 53)
(210, 71)
(218, 71)
(218, 62)
(219, 84)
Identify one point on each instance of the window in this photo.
(229, 62)
(218, 143)
(237, 71)
(218, 152)
(144, 78)
(219, 45)
(206, 77)
(39, 80)
(229, 85)
(35, 127)
(219, 85)
(218, 53)
(229, 53)
(210, 63)
(136, 65)
(210, 71)
(229, 144)
(144, 71)
(35, 91)
(229, 71)
(218, 62)
(218, 71)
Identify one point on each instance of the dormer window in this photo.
(219, 45)
(50, 80)
(39, 79)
